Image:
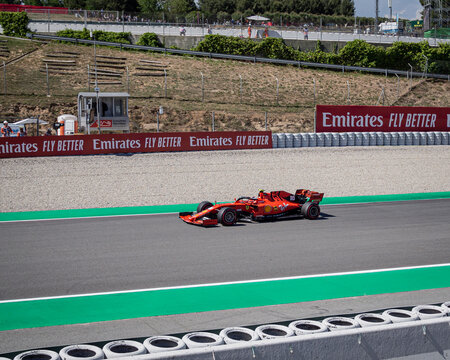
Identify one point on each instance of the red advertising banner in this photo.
(11, 147)
(355, 118)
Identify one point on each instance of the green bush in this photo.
(227, 45)
(275, 48)
(150, 39)
(361, 53)
(99, 35)
(14, 24)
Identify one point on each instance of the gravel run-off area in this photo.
(72, 182)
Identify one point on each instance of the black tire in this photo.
(227, 216)
(203, 206)
(310, 210)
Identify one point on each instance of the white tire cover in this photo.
(158, 344)
(429, 311)
(400, 315)
(201, 339)
(305, 327)
(120, 348)
(446, 307)
(273, 331)
(37, 355)
(336, 323)
(232, 335)
(77, 352)
(372, 319)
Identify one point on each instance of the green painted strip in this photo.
(86, 309)
(161, 209)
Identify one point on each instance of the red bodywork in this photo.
(273, 205)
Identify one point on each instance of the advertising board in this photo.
(11, 147)
(355, 118)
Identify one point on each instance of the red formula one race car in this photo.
(267, 206)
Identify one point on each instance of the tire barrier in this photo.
(400, 315)
(274, 140)
(320, 139)
(82, 351)
(120, 348)
(37, 355)
(388, 319)
(306, 327)
(337, 323)
(372, 319)
(312, 140)
(202, 339)
(429, 311)
(233, 335)
(158, 344)
(287, 140)
(281, 140)
(273, 331)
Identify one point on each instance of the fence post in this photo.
(348, 92)
(4, 78)
(398, 87)
(48, 20)
(213, 118)
(128, 81)
(165, 83)
(157, 121)
(48, 86)
(278, 85)
(314, 81)
(265, 117)
(240, 88)
(85, 19)
(203, 87)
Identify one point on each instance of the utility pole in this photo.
(390, 9)
(376, 17)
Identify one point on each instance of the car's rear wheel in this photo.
(203, 206)
(310, 210)
(227, 216)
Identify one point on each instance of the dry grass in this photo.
(184, 109)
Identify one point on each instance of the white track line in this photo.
(176, 212)
(227, 283)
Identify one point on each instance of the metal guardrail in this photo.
(254, 59)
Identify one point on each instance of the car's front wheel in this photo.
(203, 206)
(227, 216)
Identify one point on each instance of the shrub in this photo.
(14, 24)
(150, 39)
(360, 53)
(108, 36)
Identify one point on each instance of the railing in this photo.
(254, 59)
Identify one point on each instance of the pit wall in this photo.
(287, 140)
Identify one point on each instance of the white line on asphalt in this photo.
(227, 283)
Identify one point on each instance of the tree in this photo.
(179, 7)
(149, 7)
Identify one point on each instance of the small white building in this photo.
(112, 108)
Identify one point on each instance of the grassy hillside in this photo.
(238, 104)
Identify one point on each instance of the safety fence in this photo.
(393, 333)
(254, 59)
(286, 140)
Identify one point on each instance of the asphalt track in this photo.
(94, 255)
(66, 257)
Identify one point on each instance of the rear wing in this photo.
(312, 196)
